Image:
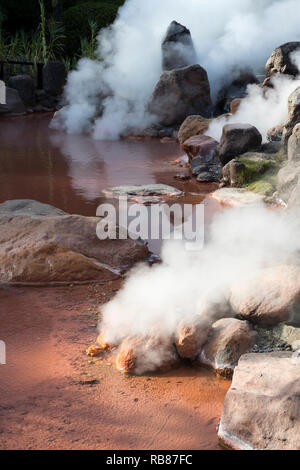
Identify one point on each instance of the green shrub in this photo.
(76, 21)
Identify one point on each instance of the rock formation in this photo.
(280, 60)
(180, 93)
(178, 48)
(238, 139)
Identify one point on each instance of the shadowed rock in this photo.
(25, 86)
(178, 48)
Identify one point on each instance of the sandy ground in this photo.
(49, 402)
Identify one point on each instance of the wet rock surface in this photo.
(228, 340)
(262, 408)
(178, 48)
(180, 93)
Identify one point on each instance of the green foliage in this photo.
(77, 20)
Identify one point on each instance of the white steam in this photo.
(226, 34)
(188, 285)
(263, 107)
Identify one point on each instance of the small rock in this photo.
(228, 340)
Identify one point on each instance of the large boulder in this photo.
(269, 298)
(180, 93)
(25, 86)
(14, 104)
(280, 60)
(294, 115)
(262, 408)
(191, 126)
(59, 248)
(238, 139)
(178, 48)
(54, 77)
(228, 340)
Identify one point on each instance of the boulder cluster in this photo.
(23, 96)
(183, 107)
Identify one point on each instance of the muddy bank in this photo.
(49, 399)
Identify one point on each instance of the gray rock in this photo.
(280, 60)
(294, 115)
(234, 173)
(294, 145)
(261, 409)
(207, 177)
(146, 190)
(236, 140)
(55, 76)
(14, 104)
(180, 93)
(28, 207)
(25, 85)
(178, 48)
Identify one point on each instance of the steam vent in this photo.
(149, 227)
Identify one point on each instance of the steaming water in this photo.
(70, 172)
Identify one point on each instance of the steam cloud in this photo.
(193, 287)
(227, 35)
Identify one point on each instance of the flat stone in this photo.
(28, 207)
(146, 190)
(237, 197)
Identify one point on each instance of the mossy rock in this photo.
(76, 21)
(261, 171)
